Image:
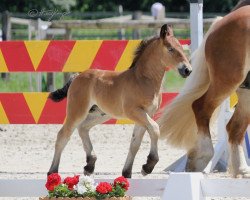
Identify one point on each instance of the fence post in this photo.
(121, 32)
(68, 36)
(136, 15)
(6, 35)
(196, 23)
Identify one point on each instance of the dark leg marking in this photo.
(151, 162)
(90, 167)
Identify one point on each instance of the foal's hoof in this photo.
(143, 172)
(126, 174)
(88, 170)
(146, 170)
(51, 173)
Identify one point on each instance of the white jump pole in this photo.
(196, 23)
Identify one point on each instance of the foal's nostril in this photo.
(184, 71)
(187, 71)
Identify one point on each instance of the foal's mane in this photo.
(140, 49)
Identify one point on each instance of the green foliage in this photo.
(62, 191)
(111, 5)
(118, 191)
(145, 5)
(219, 6)
(25, 5)
(95, 5)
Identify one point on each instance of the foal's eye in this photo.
(170, 49)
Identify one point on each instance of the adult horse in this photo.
(95, 96)
(221, 66)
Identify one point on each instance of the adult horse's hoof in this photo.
(242, 173)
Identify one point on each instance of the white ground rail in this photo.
(179, 186)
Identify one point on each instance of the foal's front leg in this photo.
(141, 117)
(135, 143)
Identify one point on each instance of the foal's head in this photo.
(174, 55)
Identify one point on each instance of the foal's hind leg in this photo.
(75, 114)
(95, 116)
(135, 143)
(202, 152)
(236, 130)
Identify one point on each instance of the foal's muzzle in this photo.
(184, 71)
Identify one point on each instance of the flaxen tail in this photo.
(61, 93)
(177, 123)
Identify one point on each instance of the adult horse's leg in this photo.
(135, 143)
(141, 117)
(236, 130)
(202, 152)
(95, 116)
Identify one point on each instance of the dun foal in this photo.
(221, 67)
(95, 96)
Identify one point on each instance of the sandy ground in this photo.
(26, 151)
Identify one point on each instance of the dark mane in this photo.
(140, 49)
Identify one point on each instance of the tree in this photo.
(219, 6)
(27, 5)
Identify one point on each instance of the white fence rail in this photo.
(188, 186)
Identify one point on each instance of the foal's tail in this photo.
(60, 94)
(177, 123)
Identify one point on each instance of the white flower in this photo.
(92, 187)
(81, 189)
(87, 183)
(86, 179)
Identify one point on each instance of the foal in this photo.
(95, 96)
(221, 67)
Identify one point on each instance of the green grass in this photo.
(172, 81)
(20, 82)
(95, 34)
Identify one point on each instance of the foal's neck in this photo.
(150, 67)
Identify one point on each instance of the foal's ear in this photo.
(166, 30)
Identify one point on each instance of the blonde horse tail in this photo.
(177, 123)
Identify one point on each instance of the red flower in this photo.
(104, 188)
(71, 181)
(122, 181)
(53, 180)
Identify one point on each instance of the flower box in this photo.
(84, 188)
(85, 198)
